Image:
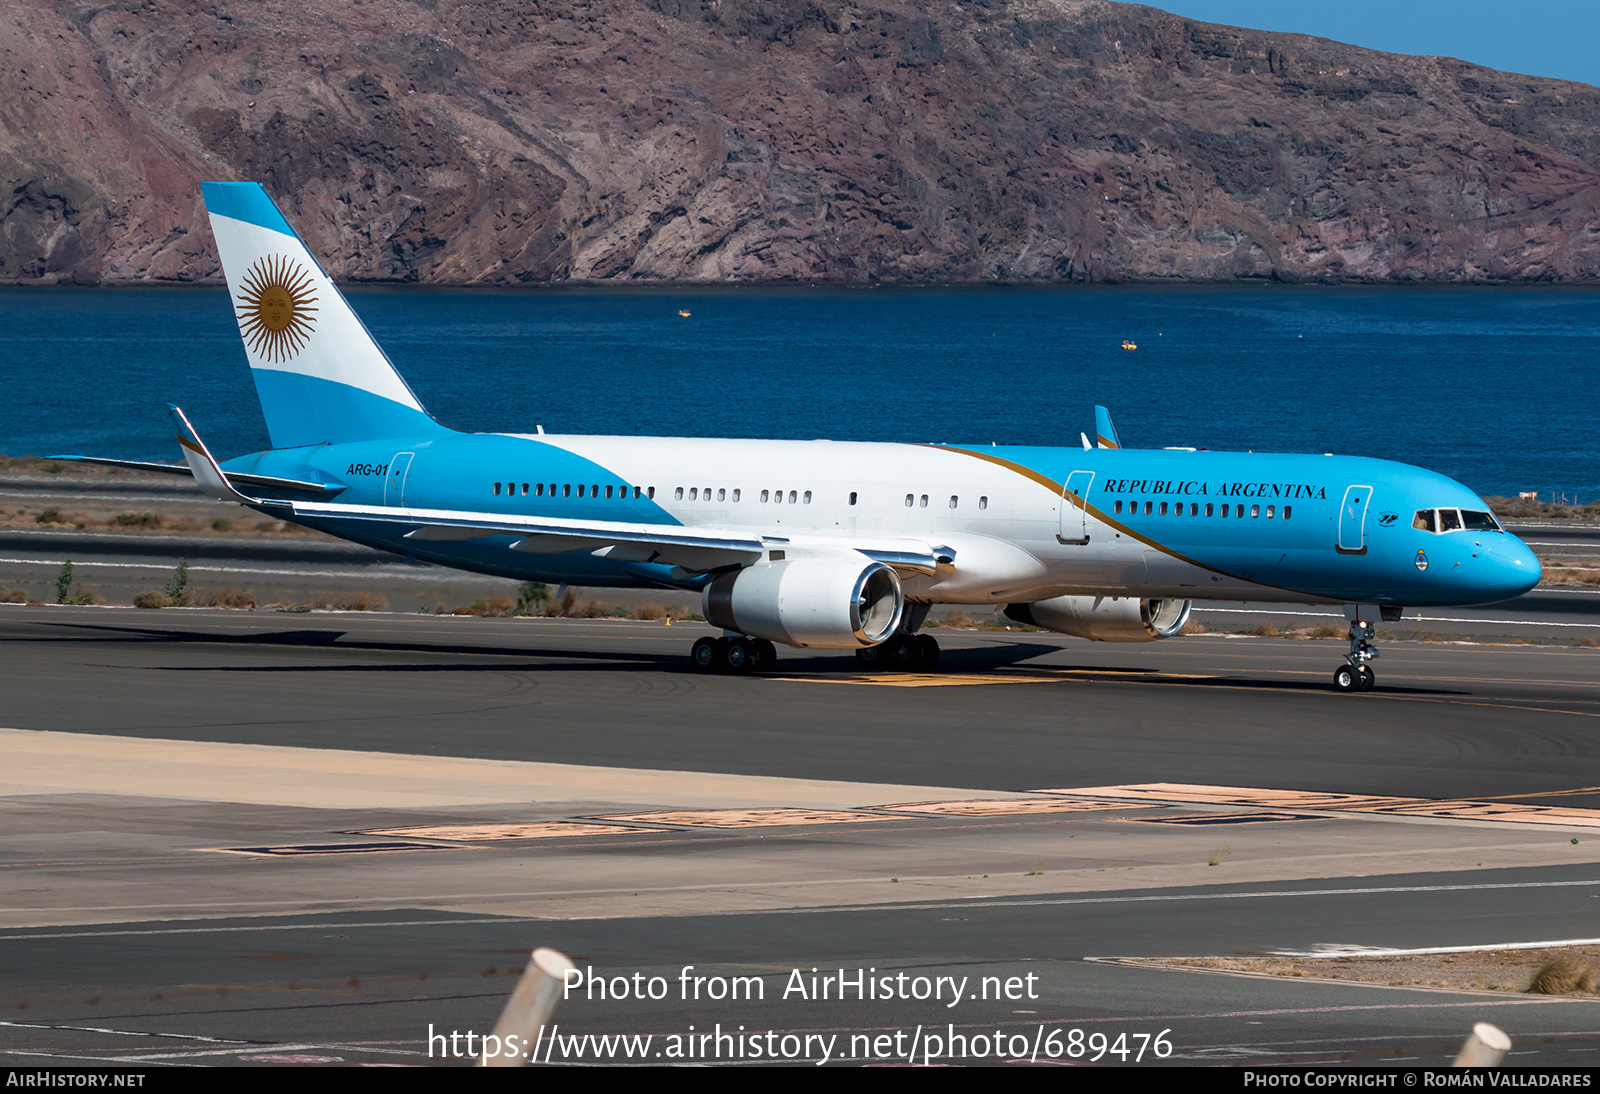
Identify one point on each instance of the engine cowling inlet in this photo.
(813, 603)
(1105, 618)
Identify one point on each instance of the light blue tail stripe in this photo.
(245, 201)
(304, 410)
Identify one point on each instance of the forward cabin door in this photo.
(394, 483)
(1074, 508)
(1353, 520)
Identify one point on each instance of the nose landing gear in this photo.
(1355, 674)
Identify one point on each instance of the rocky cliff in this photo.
(530, 141)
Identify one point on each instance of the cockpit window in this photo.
(1449, 520)
(1479, 521)
(1425, 520)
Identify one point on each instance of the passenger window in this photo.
(694, 493)
(910, 501)
(722, 495)
(954, 501)
(1287, 509)
(763, 495)
(808, 497)
(1270, 510)
(1255, 511)
(1239, 512)
(540, 491)
(552, 490)
(1194, 509)
(852, 497)
(736, 495)
(777, 497)
(524, 489)
(924, 502)
(983, 502)
(1163, 508)
(1449, 520)
(594, 491)
(1117, 508)
(608, 489)
(636, 493)
(791, 497)
(677, 495)
(566, 490)
(580, 490)
(651, 493)
(497, 490)
(1476, 521)
(1149, 507)
(1209, 510)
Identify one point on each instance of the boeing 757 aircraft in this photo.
(822, 544)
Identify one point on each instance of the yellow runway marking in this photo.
(1012, 808)
(944, 680)
(766, 817)
(1448, 809)
(472, 833)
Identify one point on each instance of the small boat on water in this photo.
(1126, 343)
(683, 312)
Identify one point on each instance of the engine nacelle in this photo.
(1105, 618)
(815, 603)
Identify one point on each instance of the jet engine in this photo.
(815, 603)
(1105, 618)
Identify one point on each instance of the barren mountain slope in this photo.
(507, 141)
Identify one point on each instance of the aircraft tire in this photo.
(764, 655)
(927, 652)
(870, 657)
(1346, 678)
(703, 655)
(901, 651)
(737, 657)
(1368, 678)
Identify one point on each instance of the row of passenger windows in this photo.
(922, 502)
(1452, 520)
(1211, 509)
(695, 493)
(565, 490)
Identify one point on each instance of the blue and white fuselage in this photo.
(816, 543)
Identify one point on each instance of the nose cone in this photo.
(1514, 567)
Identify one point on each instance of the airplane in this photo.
(831, 545)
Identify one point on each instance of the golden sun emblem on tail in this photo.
(277, 316)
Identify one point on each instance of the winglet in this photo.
(1105, 430)
(208, 475)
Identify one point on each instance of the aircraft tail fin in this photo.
(1105, 430)
(320, 376)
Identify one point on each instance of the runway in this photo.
(276, 838)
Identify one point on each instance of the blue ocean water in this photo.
(1496, 387)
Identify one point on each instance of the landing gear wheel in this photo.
(870, 657)
(1346, 678)
(703, 656)
(901, 651)
(927, 652)
(763, 655)
(1368, 678)
(737, 657)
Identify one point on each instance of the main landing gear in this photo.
(1355, 674)
(735, 654)
(902, 653)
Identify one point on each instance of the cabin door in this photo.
(1353, 520)
(1075, 508)
(394, 483)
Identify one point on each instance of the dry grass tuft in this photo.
(137, 520)
(151, 600)
(648, 611)
(15, 596)
(1194, 626)
(958, 619)
(495, 607)
(1586, 642)
(1326, 630)
(1564, 974)
(1263, 630)
(363, 602)
(226, 598)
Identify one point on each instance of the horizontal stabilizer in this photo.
(236, 478)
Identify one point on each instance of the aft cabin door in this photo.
(1353, 520)
(1074, 508)
(394, 483)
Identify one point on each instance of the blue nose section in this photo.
(1514, 567)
